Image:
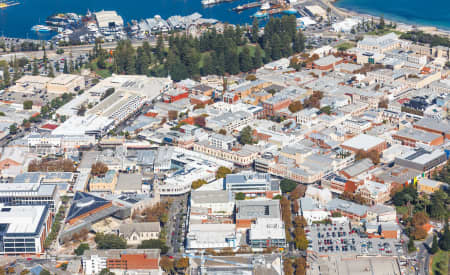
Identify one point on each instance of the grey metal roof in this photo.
(252, 209)
(347, 206)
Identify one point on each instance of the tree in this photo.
(411, 246)
(287, 185)
(222, 172)
(240, 196)
(44, 272)
(382, 24)
(438, 207)
(419, 219)
(13, 129)
(6, 76)
(245, 60)
(257, 58)
(81, 248)
(287, 267)
(182, 263)
(172, 115)
(27, 105)
(198, 183)
(295, 106)
(66, 67)
(51, 72)
(106, 271)
(419, 233)
(255, 30)
(166, 264)
(246, 136)
(444, 241)
(82, 110)
(434, 247)
(298, 192)
(35, 68)
(110, 241)
(222, 131)
(99, 169)
(300, 266)
(154, 244)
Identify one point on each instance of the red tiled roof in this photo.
(49, 126)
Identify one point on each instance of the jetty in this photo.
(247, 6)
(7, 4)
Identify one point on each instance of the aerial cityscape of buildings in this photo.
(327, 154)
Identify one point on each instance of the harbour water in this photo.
(17, 21)
(429, 13)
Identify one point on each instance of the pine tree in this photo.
(245, 60)
(208, 65)
(255, 30)
(6, 76)
(35, 68)
(411, 246)
(434, 246)
(257, 59)
(159, 50)
(51, 73)
(299, 42)
(66, 67)
(444, 241)
(276, 47)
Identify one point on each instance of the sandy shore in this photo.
(401, 26)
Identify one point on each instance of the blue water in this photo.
(17, 21)
(420, 12)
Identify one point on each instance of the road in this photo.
(423, 257)
(176, 217)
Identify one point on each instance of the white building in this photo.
(24, 229)
(213, 236)
(217, 202)
(267, 232)
(312, 211)
(345, 26)
(66, 83)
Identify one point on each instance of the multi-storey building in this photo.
(30, 194)
(23, 229)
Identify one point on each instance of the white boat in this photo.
(208, 2)
(265, 6)
(41, 28)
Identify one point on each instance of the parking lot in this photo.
(331, 239)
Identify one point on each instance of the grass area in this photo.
(384, 31)
(440, 263)
(103, 73)
(345, 46)
(401, 210)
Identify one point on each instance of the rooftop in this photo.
(363, 142)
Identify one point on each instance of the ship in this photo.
(265, 6)
(290, 11)
(41, 28)
(260, 14)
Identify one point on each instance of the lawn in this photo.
(440, 263)
(345, 46)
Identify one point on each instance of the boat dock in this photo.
(7, 4)
(247, 6)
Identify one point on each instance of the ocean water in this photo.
(17, 21)
(421, 12)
